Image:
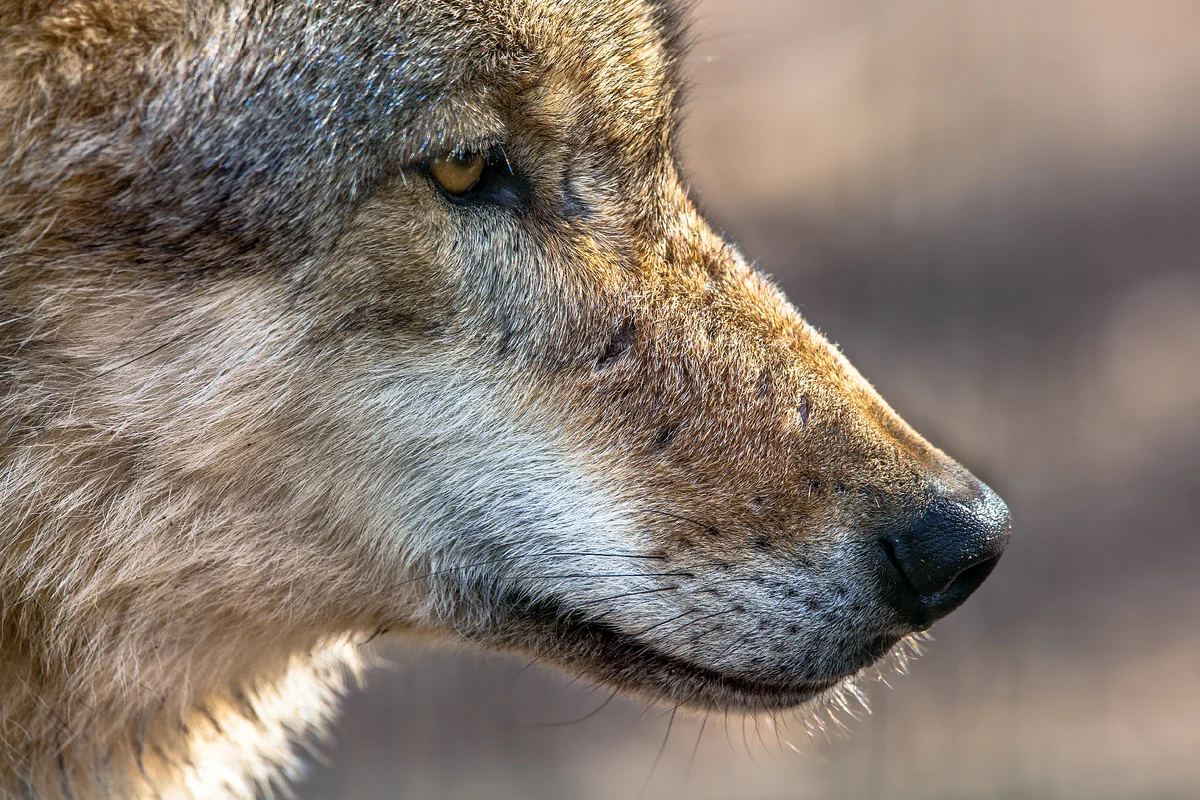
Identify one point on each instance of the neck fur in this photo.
(198, 738)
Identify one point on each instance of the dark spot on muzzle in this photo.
(666, 435)
(622, 340)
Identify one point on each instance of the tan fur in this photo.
(264, 393)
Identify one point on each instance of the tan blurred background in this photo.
(994, 206)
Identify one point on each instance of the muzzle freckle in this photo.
(666, 435)
(802, 410)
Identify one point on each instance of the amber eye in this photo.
(457, 174)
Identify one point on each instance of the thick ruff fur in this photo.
(266, 390)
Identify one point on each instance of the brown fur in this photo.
(264, 392)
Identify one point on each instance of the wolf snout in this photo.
(938, 554)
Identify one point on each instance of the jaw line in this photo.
(606, 656)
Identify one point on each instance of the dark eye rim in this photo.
(500, 183)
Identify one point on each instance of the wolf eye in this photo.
(476, 179)
(457, 173)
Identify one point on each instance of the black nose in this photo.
(941, 553)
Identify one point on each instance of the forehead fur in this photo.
(265, 118)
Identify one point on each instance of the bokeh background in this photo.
(994, 207)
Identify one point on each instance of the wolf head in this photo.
(270, 376)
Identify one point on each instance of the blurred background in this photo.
(994, 207)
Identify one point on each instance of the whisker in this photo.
(524, 556)
(652, 704)
(788, 733)
(758, 733)
(662, 749)
(517, 674)
(681, 518)
(701, 635)
(740, 640)
(576, 721)
(134, 360)
(600, 575)
(695, 749)
(626, 594)
(662, 638)
(746, 743)
(745, 579)
(732, 646)
(664, 622)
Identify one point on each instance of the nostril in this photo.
(972, 577)
(889, 552)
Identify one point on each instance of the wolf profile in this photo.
(323, 319)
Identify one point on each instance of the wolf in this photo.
(321, 319)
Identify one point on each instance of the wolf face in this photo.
(330, 317)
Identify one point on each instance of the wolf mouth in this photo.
(603, 654)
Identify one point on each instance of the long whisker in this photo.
(758, 733)
(524, 556)
(662, 749)
(578, 720)
(650, 705)
(517, 674)
(644, 631)
(688, 624)
(743, 579)
(572, 575)
(733, 645)
(681, 518)
(624, 595)
(738, 641)
(695, 749)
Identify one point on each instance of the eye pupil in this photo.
(457, 173)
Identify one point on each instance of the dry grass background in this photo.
(995, 208)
